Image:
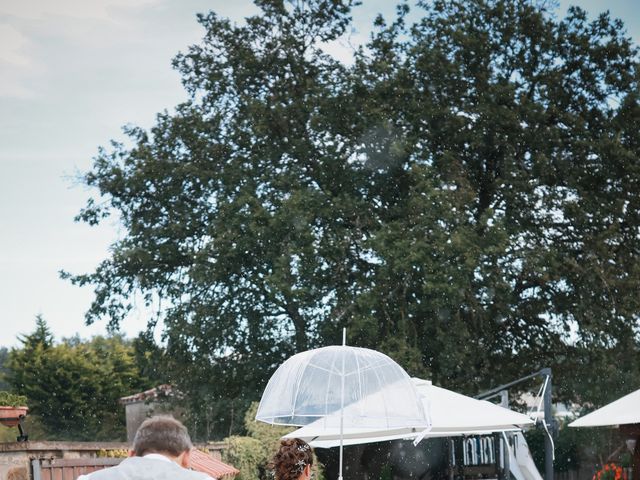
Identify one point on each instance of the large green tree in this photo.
(512, 240)
(242, 217)
(73, 386)
(463, 196)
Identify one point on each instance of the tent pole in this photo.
(344, 343)
(548, 414)
(548, 420)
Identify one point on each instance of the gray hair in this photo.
(161, 434)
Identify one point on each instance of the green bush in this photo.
(566, 444)
(268, 435)
(12, 400)
(577, 447)
(7, 434)
(251, 454)
(246, 454)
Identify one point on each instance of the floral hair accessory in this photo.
(300, 464)
(303, 448)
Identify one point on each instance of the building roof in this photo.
(205, 463)
(151, 394)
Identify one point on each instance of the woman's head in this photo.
(292, 459)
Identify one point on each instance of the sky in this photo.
(72, 74)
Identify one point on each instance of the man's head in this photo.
(164, 435)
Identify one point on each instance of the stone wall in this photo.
(15, 457)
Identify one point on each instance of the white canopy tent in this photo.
(451, 414)
(623, 411)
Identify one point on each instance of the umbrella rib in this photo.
(386, 413)
(359, 377)
(330, 372)
(295, 395)
(368, 367)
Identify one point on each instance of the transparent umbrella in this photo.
(342, 384)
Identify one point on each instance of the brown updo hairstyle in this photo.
(289, 461)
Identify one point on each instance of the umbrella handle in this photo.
(344, 343)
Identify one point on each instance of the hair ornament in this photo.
(300, 464)
(303, 448)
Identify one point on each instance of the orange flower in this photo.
(610, 471)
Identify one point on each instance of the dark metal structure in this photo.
(548, 424)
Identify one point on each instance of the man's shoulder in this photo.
(140, 468)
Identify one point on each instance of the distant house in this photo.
(55, 460)
(561, 411)
(140, 406)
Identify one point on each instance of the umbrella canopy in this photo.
(623, 411)
(366, 386)
(346, 385)
(451, 414)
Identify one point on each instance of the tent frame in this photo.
(549, 421)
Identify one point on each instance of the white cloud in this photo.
(14, 62)
(13, 43)
(40, 9)
(30, 29)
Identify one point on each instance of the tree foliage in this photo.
(4, 358)
(464, 197)
(251, 453)
(73, 386)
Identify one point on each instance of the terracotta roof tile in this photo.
(151, 394)
(205, 463)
